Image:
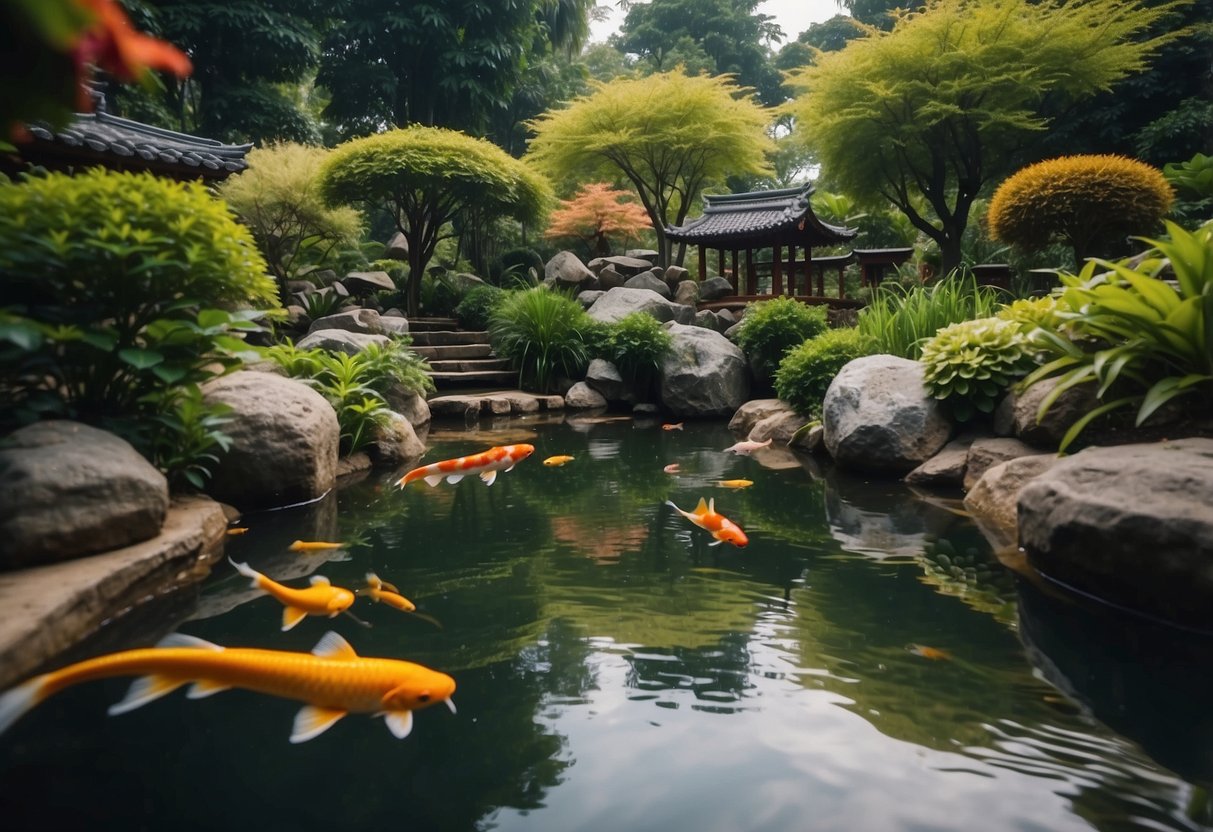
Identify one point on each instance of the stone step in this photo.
(432, 324)
(453, 352)
(446, 337)
(474, 365)
(483, 378)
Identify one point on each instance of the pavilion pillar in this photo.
(750, 280)
(720, 262)
(736, 277)
(777, 269)
(791, 269)
(703, 263)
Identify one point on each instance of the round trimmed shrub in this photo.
(1091, 203)
(772, 327)
(806, 371)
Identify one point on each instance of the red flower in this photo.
(112, 44)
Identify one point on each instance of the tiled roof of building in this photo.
(758, 216)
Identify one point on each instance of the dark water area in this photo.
(615, 672)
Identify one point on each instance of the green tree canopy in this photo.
(670, 135)
(425, 177)
(938, 106)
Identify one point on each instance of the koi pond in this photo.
(866, 663)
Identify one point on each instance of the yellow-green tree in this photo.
(426, 176)
(937, 106)
(670, 135)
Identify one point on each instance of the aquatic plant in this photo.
(772, 327)
(970, 365)
(806, 371)
(901, 319)
(476, 309)
(542, 333)
(1143, 340)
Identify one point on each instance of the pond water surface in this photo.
(617, 673)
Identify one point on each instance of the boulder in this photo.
(946, 468)
(567, 269)
(779, 427)
(319, 277)
(364, 283)
(1130, 524)
(703, 374)
(338, 340)
(986, 453)
(395, 443)
(686, 292)
(397, 247)
(412, 406)
(715, 288)
(587, 298)
(673, 275)
(583, 397)
(628, 266)
(708, 319)
(604, 377)
(647, 280)
(609, 278)
(67, 489)
(618, 303)
(754, 411)
(301, 288)
(993, 498)
(596, 265)
(394, 325)
(646, 254)
(1016, 413)
(365, 321)
(879, 417)
(284, 441)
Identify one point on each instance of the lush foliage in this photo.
(970, 365)
(355, 385)
(1142, 341)
(636, 345)
(670, 135)
(424, 177)
(278, 198)
(596, 213)
(543, 334)
(772, 327)
(947, 97)
(117, 291)
(806, 371)
(475, 311)
(1089, 202)
(1193, 183)
(901, 319)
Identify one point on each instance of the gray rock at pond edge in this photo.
(754, 411)
(284, 441)
(946, 468)
(363, 283)
(647, 280)
(992, 500)
(338, 340)
(67, 490)
(1016, 413)
(567, 270)
(410, 405)
(618, 303)
(395, 443)
(878, 416)
(583, 397)
(364, 321)
(604, 377)
(703, 374)
(985, 453)
(1131, 524)
(715, 288)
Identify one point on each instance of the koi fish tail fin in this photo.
(15, 703)
(411, 476)
(248, 572)
(670, 503)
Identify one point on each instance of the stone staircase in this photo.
(459, 358)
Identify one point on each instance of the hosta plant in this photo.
(970, 365)
(1143, 339)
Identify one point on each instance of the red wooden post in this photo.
(720, 261)
(750, 280)
(736, 279)
(791, 269)
(777, 269)
(703, 264)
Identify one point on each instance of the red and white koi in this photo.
(746, 447)
(707, 518)
(484, 465)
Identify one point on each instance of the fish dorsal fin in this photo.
(292, 616)
(711, 505)
(312, 721)
(702, 507)
(143, 690)
(182, 640)
(400, 723)
(489, 477)
(206, 687)
(333, 646)
(320, 580)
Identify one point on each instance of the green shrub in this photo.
(901, 319)
(636, 344)
(970, 365)
(543, 334)
(1193, 184)
(772, 327)
(476, 309)
(1142, 341)
(517, 265)
(119, 298)
(439, 294)
(806, 371)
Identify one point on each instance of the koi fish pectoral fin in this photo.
(454, 479)
(312, 721)
(292, 616)
(143, 690)
(433, 480)
(716, 542)
(489, 477)
(400, 723)
(204, 688)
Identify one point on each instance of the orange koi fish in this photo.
(381, 592)
(235, 530)
(932, 653)
(734, 483)
(313, 546)
(321, 598)
(484, 465)
(746, 447)
(673, 468)
(332, 680)
(556, 461)
(722, 528)
(673, 426)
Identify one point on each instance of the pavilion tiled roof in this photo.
(103, 139)
(759, 217)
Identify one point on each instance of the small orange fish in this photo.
(722, 528)
(673, 468)
(235, 530)
(321, 598)
(932, 653)
(735, 483)
(313, 546)
(674, 426)
(556, 461)
(381, 592)
(484, 465)
(332, 680)
(746, 447)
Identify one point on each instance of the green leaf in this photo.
(140, 359)
(1087, 418)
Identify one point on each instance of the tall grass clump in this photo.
(543, 334)
(900, 320)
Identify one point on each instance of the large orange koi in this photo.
(333, 680)
(484, 465)
(706, 517)
(321, 598)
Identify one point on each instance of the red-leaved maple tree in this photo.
(594, 214)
